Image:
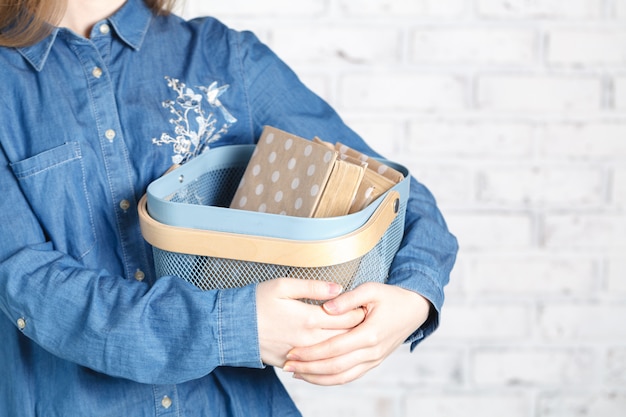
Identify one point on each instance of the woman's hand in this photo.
(285, 322)
(391, 315)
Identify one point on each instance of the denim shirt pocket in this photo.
(54, 183)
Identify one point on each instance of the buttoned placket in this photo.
(93, 55)
(119, 174)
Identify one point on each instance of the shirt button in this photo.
(166, 402)
(124, 205)
(104, 29)
(139, 275)
(96, 72)
(21, 323)
(110, 134)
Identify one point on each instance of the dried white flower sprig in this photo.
(194, 129)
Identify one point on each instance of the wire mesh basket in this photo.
(195, 236)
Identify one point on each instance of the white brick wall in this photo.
(513, 112)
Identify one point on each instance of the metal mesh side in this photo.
(212, 188)
(212, 273)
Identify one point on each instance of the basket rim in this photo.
(225, 219)
(272, 250)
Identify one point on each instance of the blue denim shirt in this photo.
(85, 126)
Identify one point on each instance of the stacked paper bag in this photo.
(294, 176)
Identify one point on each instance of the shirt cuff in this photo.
(238, 335)
(422, 283)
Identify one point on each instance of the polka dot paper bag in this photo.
(286, 175)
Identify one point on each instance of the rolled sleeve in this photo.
(426, 256)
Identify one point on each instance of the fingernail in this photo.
(334, 288)
(288, 368)
(292, 357)
(297, 376)
(329, 306)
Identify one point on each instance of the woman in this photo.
(98, 99)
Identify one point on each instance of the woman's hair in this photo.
(26, 22)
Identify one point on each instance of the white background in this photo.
(513, 112)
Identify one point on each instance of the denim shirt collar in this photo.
(130, 23)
